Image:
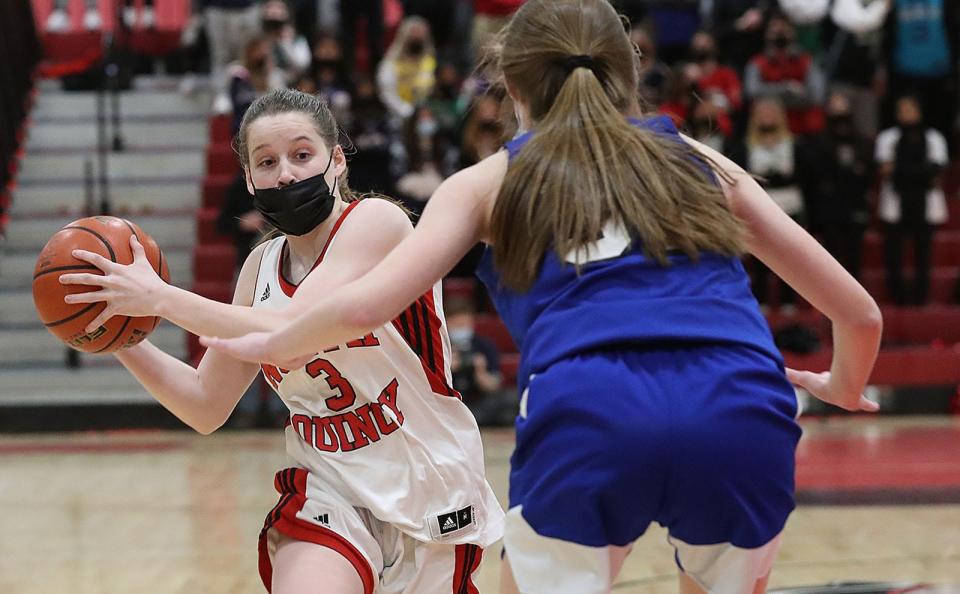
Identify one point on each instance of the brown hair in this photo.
(282, 101)
(573, 66)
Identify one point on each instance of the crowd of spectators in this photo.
(845, 110)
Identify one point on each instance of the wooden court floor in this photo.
(175, 512)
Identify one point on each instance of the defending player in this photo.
(651, 387)
(386, 489)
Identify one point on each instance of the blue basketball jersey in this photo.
(628, 300)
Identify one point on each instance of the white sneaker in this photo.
(92, 20)
(222, 105)
(58, 21)
(147, 19)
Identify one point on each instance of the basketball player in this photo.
(386, 490)
(651, 387)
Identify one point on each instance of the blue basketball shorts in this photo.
(700, 440)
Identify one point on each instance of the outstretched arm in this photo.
(455, 219)
(136, 290)
(796, 257)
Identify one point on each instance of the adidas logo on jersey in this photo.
(457, 520)
(266, 294)
(322, 519)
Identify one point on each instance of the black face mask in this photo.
(840, 125)
(297, 209)
(781, 42)
(415, 47)
(701, 56)
(767, 129)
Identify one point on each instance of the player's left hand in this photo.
(821, 386)
(254, 348)
(128, 289)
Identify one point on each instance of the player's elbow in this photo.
(870, 317)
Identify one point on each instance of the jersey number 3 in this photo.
(345, 397)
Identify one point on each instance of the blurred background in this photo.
(847, 109)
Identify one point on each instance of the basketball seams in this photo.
(73, 316)
(65, 268)
(106, 244)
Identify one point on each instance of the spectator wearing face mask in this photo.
(369, 130)
(784, 71)
(428, 160)
(329, 74)
(291, 52)
(835, 169)
(475, 365)
(448, 101)
(911, 157)
(483, 133)
(718, 84)
(686, 94)
(256, 76)
(655, 77)
(771, 156)
(406, 75)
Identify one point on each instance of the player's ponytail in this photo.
(571, 63)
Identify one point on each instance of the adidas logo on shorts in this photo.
(266, 294)
(322, 519)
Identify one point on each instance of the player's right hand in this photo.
(823, 388)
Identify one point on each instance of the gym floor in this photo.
(164, 512)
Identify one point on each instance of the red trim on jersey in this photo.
(419, 325)
(292, 484)
(290, 288)
(467, 560)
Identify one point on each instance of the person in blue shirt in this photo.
(651, 390)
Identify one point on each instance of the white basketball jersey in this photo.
(377, 420)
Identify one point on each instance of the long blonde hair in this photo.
(572, 65)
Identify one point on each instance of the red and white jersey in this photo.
(376, 419)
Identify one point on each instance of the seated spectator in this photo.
(329, 71)
(911, 157)
(475, 365)
(428, 161)
(782, 70)
(702, 125)
(255, 77)
(835, 171)
(685, 95)
(655, 76)
(448, 102)
(483, 132)
(771, 156)
(291, 52)
(718, 84)
(369, 130)
(405, 77)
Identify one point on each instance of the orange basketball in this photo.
(109, 237)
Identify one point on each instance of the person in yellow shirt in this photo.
(406, 75)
